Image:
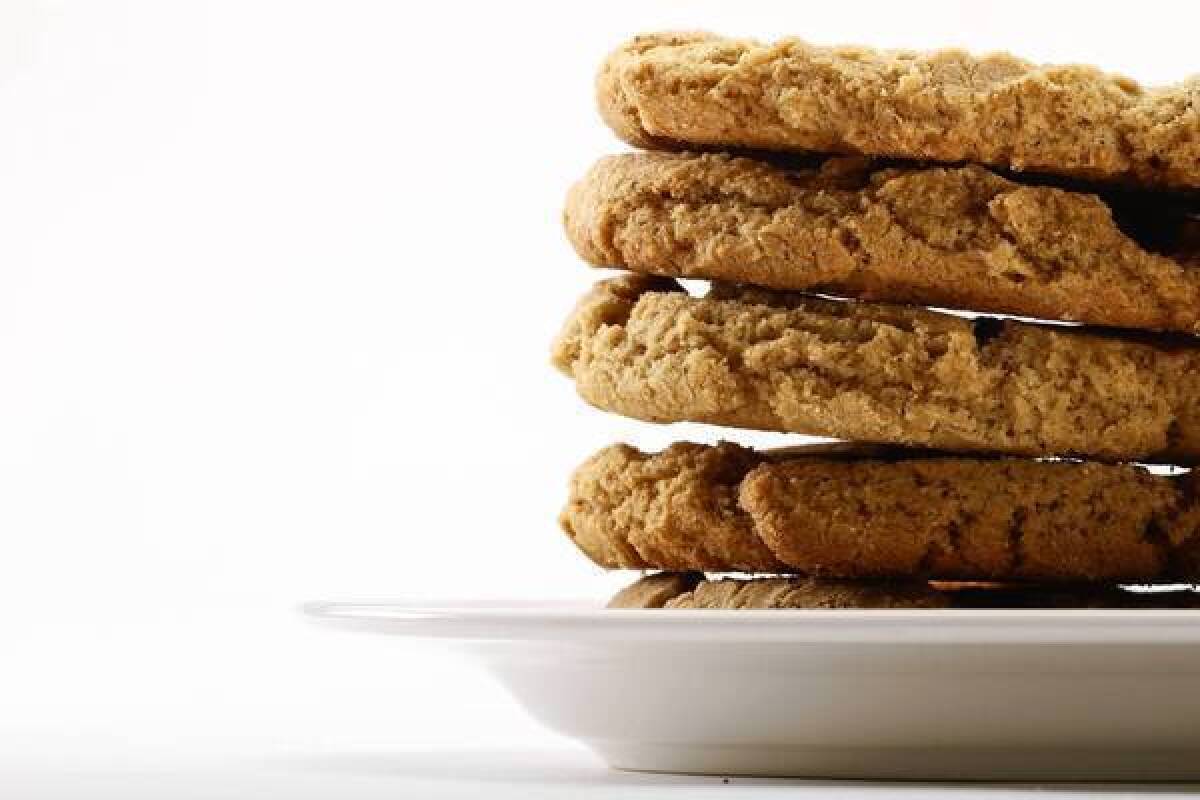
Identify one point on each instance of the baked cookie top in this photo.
(643, 347)
(959, 237)
(679, 90)
(869, 513)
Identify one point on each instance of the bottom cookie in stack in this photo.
(871, 527)
(692, 590)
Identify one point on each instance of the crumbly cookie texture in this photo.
(672, 590)
(903, 515)
(677, 510)
(674, 90)
(644, 348)
(962, 237)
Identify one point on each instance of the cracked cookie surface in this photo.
(865, 514)
(960, 237)
(674, 90)
(692, 591)
(642, 347)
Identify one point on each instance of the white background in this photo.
(277, 285)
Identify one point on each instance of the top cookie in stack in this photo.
(892, 180)
(679, 90)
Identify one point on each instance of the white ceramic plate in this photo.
(935, 695)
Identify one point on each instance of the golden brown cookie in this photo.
(883, 515)
(961, 237)
(673, 90)
(675, 510)
(654, 591)
(644, 348)
(691, 591)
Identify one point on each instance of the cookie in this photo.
(961, 237)
(676, 510)
(675, 90)
(691, 591)
(654, 591)
(854, 513)
(642, 347)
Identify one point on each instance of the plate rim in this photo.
(572, 621)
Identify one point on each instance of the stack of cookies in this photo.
(829, 195)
